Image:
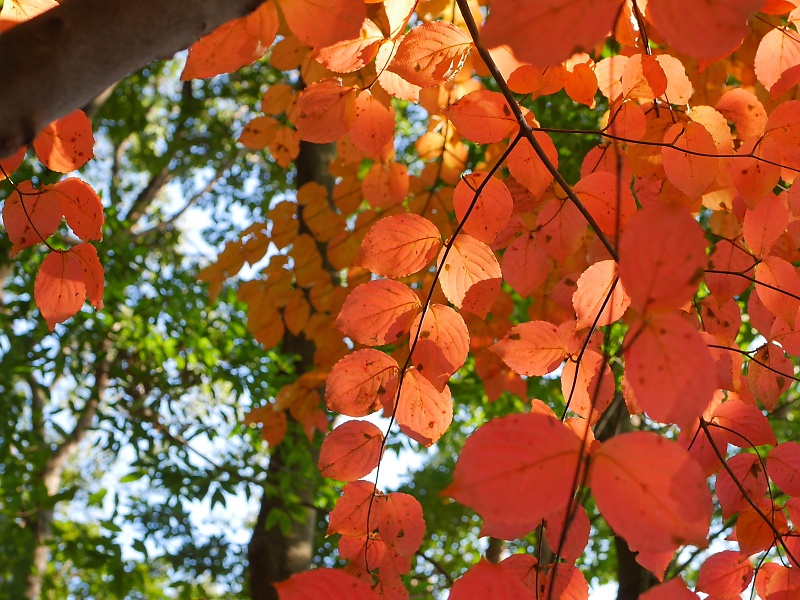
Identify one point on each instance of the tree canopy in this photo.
(553, 242)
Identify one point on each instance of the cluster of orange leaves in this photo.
(673, 222)
(677, 143)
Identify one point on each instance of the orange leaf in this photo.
(378, 312)
(399, 245)
(385, 184)
(373, 127)
(349, 516)
(66, 144)
(471, 275)
(577, 532)
(347, 56)
(442, 346)
(725, 574)
(64, 281)
(727, 256)
(82, 207)
(610, 204)
(526, 167)
(361, 382)
(753, 177)
(746, 112)
(233, 45)
(30, 216)
(778, 279)
(525, 265)
(643, 77)
(11, 163)
(15, 12)
(324, 112)
(350, 451)
(662, 258)
(431, 54)
(778, 51)
(517, 469)
(783, 466)
(702, 28)
(668, 366)
(783, 124)
(588, 386)
(488, 582)
(331, 584)
(320, 23)
(749, 475)
(259, 133)
(674, 589)
(745, 424)
(273, 423)
(561, 229)
(532, 348)
(651, 492)
(482, 117)
(690, 173)
(423, 412)
(764, 224)
(594, 287)
(491, 212)
(545, 34)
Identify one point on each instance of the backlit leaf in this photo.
(779, 289)
(81, 206)
(30, 216)
(517, 469)
(491, 212)
(350, 451)
(374, 125)
(324, 112)
(331, 584)
(471, 275)
(488, 581)
(431, 54)
(725, 574)
(532, 348)
(399, 245)
(783, 467)
(651, 492)
(442, 346)
(610, 204)
(320, 23)
(483, 117)
(378, 312)
(528, 169)
(595, 298)
(66, 144)
(361, 383)
(694, 171)
(525, 265)
(423, 412)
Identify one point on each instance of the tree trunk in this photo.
(634, 579)
(62, 59)
(273, 556)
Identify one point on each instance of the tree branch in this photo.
(64, 58)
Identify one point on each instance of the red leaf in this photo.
(526, 167)
(66, 144)
(423, 412)
(702, 28)
(361, 383)
(750, 475)
(643, 77)
(594, 287)
(431, 54)
(779, 279)
(379, 312)
(533, 348)
(662, 258)
(745, 425)
(349, 516)
(324, 111)
(725, 574)
(690, 172)
(320, 23)
(546, 34)
(589, 386)
(783, 466)
(64, 281)
(82, 207)
(483, 117)
(488, 582)
(577, 533)
(727, 256)
(783, 124)
(30, 216)
(351, 55)
(668, 364)
(273, 423)
(525, 265)
(491, 212)
(778, 51)
(610, 204)
(471, 275)
(674, 589)
(765, 223)
(562, 229)
(651, 492)
(753, 177)
(11, 163)
(769, 374)
(745, 110)
(399, 246)
(350, 451)
(373, 127)
(442, 346)
(400, 523)
(233, 45)
(331, 584)
(517, 469)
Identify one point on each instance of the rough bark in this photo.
(271, 555)
(64, 58)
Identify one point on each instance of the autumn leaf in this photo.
(423, 412)
(470, 276)
(81, 206)
(440, 345)
(30, 216)
(320, 23)
(516, 469)
(325, 111)
(332, 584)
(351, 451)
(488, 581)
(532, 348)
(399, 245)
(431, 54)
(66, 144)
(492, 210)
(600, 296)
(483, 117)
(378, 312)
(361, 383)
(651, 492)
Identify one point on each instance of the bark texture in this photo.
(64, 58)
